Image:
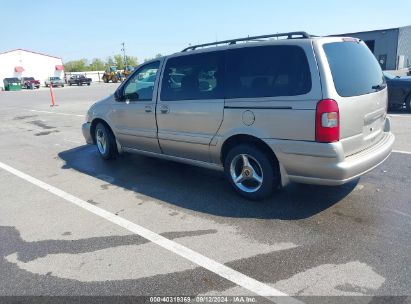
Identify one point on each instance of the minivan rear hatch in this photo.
(361, 93)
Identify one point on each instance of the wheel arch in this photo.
(93, 126)
(238, 139)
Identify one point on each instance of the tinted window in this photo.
(194, 77)
(354, 68)
(267, 72)
(140, 86)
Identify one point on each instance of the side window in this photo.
(267, 71)
(194, 77)
(140, 86)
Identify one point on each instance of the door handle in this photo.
(148, 109)
(164, 109)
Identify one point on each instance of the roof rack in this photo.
(289, 35)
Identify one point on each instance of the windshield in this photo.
(354, 68)
(54, 78)
(28, 78)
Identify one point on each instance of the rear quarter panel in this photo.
(288, 117)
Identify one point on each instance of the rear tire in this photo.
(253, 173)
(105, 142)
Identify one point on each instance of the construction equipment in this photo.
(127, 71)
(111, 74)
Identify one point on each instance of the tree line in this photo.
(97, 64)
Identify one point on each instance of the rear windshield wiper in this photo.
(379, 87)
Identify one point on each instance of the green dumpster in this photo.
(12, 84)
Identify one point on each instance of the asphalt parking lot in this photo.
(162, 228)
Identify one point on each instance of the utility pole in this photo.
(124, 55)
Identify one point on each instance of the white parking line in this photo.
(397, 212)
(228, 273)
(401, 152)
(59, 113)
(72, 141)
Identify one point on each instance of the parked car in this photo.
(303, 109)
(79, 80)
(55, 81)
(29, 83)
(12, 84)
(399, 91)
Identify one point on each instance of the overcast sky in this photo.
(87, 29)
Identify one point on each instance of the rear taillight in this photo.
(327, 121)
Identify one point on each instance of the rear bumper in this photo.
(87, 132)
(325, 164)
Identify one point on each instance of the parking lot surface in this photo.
(353, 240)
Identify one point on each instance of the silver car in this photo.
(54, 81)
(266, 111)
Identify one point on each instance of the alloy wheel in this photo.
(246, 173)
(101, 141)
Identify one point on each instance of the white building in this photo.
(22, 63)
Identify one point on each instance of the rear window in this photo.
(354, 68)
(267, 71)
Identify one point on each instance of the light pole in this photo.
(124, 55)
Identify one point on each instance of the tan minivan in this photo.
(267, 110)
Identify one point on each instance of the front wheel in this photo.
(253, 173)
(105, 141)
(408, 103)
